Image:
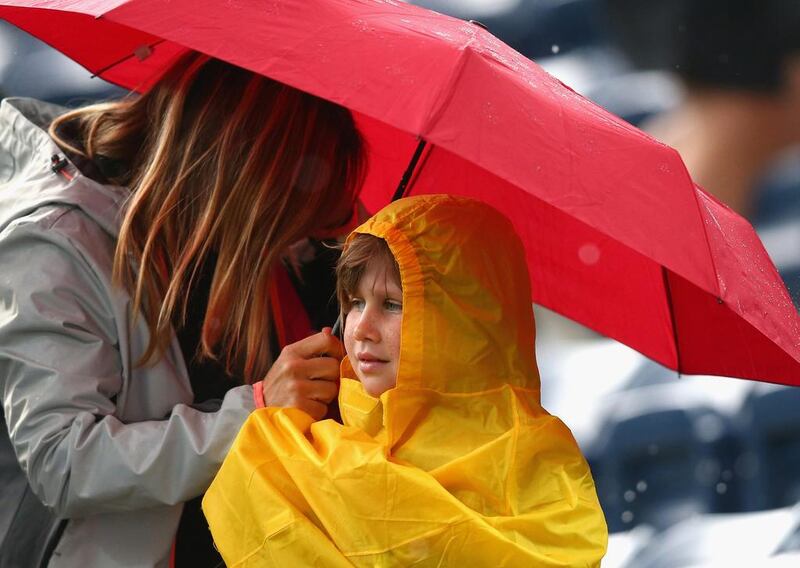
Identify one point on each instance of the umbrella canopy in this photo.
(617, 235)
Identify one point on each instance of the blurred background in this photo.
(691, 471)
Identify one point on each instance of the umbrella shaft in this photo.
(401, 188)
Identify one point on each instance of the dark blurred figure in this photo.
(740, 63)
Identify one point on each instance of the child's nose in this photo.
(366, 328)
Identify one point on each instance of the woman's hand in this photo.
(306, 375)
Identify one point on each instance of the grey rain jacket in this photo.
(113, 449)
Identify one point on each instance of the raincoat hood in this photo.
(457, 463)
(464, 324)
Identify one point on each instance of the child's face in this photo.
(372, 330)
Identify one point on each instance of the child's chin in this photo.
(374, 388)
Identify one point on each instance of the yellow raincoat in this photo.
(458, 465)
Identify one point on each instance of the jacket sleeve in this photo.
(60, 374)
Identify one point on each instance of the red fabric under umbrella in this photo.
(618, 237)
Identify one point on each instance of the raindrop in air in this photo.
(709, 428)
(555, 48)
(641, 487)
(629, 495)
(627, 517)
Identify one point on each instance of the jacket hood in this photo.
(27, 181)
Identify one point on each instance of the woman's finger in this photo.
(320, 368)
(323, 391)
(322, 343)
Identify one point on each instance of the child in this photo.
(371, 297)
(445, 457)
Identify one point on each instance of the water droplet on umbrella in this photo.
(488, 111)
(589, 254)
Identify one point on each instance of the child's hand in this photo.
(306, 375)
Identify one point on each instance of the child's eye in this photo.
(356, 304)
(393, 305)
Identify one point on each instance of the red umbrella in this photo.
(618, 237)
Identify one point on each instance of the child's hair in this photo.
(362, 252)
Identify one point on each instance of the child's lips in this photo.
(369, 363)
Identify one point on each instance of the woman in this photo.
(116, 228)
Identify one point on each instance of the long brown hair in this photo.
(225, 162)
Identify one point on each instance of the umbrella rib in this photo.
(671, 308)
(695, 188)
(122, 60)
